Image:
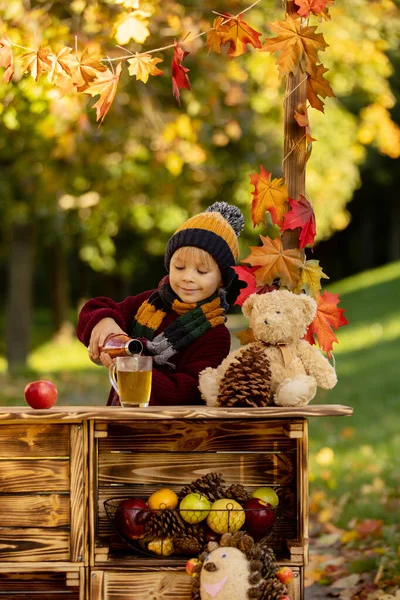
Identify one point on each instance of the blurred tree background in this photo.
(87, 210)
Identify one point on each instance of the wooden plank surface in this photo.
(112, 413)
(199, 436)
(146, 586)
(77, 507)
(29, 440)
(24, 511)
(38, 545)
(31, 586)
(34, 476)
(164, 469)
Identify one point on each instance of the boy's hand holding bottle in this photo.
(100, 332)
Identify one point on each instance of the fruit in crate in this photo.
(194, 508)
(260, 518)
(161, 546)
(267, 494)
(40, 394)
(163, 498)
(191, 565)
(131, 518)
(285, 575)
(226, 516)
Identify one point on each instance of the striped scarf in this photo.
(194, 320)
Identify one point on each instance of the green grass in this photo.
(354, 461)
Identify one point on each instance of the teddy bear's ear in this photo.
(309, 307)
(247, 306)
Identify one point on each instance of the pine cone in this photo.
(165, 523)
(247, 382)
(269, 568)
(211, 486)
(188, 544)
(237, 492)
(273, 589)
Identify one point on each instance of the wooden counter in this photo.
(58, 466)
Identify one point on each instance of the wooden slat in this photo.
(31, 585)
(24, 511)
(28, 439)
(162, 470)
(34, 476)
(197, 436)
(143, 586)
(77, 493)
(20, 545)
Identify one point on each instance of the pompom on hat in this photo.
(216, 231)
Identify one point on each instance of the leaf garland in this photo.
(268, 195)
(328, 317)
(301, 215)
(179, 72)
(6, 58)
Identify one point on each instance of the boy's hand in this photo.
(103, 329)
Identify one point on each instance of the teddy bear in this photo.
(279, 367)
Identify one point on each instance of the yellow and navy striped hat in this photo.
(216, 231)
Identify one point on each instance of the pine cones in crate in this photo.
(165, 523)
(247, 382)
(211, 486)
(237, 492)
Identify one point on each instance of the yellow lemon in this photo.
(226, 516)
(161, 499)
(161, 547)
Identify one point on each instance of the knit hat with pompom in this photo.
(216, 231)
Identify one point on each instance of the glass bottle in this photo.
(120, 344)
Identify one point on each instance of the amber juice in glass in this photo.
(131, 378)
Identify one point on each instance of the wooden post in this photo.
(294, 153)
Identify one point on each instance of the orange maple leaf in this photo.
(143, 65)
(214, 37)
(298, 46)
(6, 58)
(317, 85)
(328, 316)
(274, 262)
(310, 6)
(36, 62)
(87, 69)
(301, 116)
(106, 85)
(62, 64)
(239, 34)
(269, 196)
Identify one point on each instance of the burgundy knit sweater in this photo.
(170, 386)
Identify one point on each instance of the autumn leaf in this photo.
(310, 6)
(62, 64)
(106, 85)
(245, 274)
(301, 116)
(317, 85)
(245, 336)
(301, 215)
(268, 196)
(214, 37)
(132, 26)
(239, 34)
(6, 58)
(328, 316)
(274, 262)
(143, 65)
(310, 278)
(298, 46)
(36, 62)
(87, 69)
(179, 76)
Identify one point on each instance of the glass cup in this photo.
(130, 377)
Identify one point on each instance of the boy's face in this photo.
(193, 279)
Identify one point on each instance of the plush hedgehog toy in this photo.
(236, 569)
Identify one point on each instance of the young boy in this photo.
(182, 323)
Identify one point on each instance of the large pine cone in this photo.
(273, 589)
(237, 492)
(211, 486)
(247, 381)
(165, 523)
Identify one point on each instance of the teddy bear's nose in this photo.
(266, 321)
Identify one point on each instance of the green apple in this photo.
(266, 494)
(194, 508)
(226, 516)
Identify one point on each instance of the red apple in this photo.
(131, 518)
(210, 535)
(191, 565)
(285, 575)
(260, 518)
(41, 394)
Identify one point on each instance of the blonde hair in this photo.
(193, 254)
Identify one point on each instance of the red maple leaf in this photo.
(246, 274)
(328, 316)
(301, 215)
(179, 77)
(314, 6)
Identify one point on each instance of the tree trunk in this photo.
(294, 153)
(19, 295)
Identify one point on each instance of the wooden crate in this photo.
(156, 585)
(29, 583)
(137, 458)
(42, 472)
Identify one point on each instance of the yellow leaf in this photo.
(6, 58)
(143, 65)
(133, 27)
(214, 37)
(268, 196)
(298, 46)
(246, 336)
(36, 62)
(310, 278)
(62, 64)
(349, 536)
(106, 85)
(88, 67)
(274, 262)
